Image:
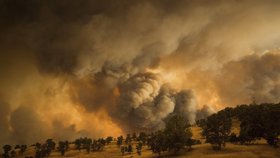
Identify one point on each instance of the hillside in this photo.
(258, 150)
(199, 151)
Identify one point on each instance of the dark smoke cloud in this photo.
(136, 61)
(98, 90)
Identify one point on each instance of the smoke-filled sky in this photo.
(95, 68)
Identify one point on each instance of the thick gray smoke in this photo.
(145, 101)
(124, 65)
(254, 78)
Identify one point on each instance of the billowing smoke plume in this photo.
(145, 101)
(105, 67)
(137, 102)
(254, 78)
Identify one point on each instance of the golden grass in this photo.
(198, 151)
(259, 150)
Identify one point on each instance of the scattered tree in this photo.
(129, 149)
(109, 140)
(13, 153)
(7, 149)
(216, 129)
(178, 133)
(119, 140)
(139, 148)
(62, 147)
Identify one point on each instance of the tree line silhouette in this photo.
(175, 137)
(256, 122)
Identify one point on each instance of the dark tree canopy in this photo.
(176, 135)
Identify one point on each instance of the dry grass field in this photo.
(258, 150)
(199, 151)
